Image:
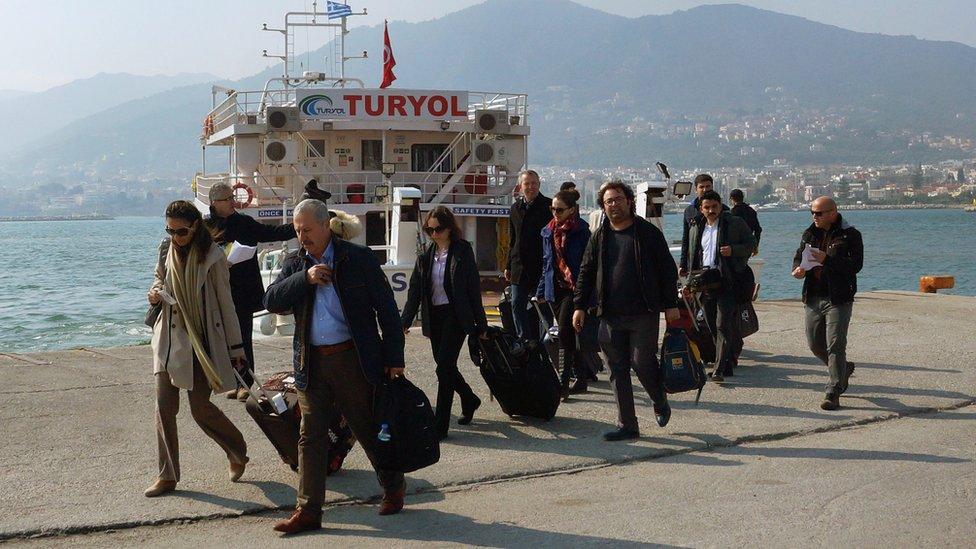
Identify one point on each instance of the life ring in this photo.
(250, 195)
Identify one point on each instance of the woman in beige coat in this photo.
(196, 341)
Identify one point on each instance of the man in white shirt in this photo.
(719, 240)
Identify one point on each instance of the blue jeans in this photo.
(520, 313)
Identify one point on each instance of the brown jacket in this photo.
(172, 351)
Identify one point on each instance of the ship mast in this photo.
(298, 19)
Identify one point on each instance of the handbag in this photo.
(747, 320)
(153, 314)
(704, 280)
(407, 439)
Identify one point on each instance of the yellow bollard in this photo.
(931, 284)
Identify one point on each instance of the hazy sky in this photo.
(52, 42)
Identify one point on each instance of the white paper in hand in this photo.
(807, 261)
(240, 253)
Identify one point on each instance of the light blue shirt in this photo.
(329, 324)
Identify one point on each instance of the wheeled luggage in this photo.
(550, 339)
(695, 325)
(508, 321)
(518, 373)
(681, 366)
(407, 438)
(281, 425)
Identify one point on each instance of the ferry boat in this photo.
(386, 156)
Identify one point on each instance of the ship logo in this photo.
(320, 105)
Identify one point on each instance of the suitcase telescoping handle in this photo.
(256, 382)
(542, 317)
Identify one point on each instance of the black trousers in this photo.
(572, 360)
(446, 340)
(720, 313)
(246, 320)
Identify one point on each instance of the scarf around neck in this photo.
(182, 277)
(559, 232)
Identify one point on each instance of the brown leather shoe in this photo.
(830, 402)
(300, 521)
(235, 471)
(242, 394)
(159, 488)
(393, 501)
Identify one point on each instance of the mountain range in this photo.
(591, 77)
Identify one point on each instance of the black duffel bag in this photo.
(406, 437)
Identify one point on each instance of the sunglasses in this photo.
(558, 211)
(820, 213)
(183, 231)
(432, 230)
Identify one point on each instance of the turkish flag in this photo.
(388, 61)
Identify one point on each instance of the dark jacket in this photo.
(462, 284)
(691, 212)
(246, 286)
(525, 240)
(655, 267)
(367, 301)
(732, 231)
(845, 258)
(575, 245)
(749, 215)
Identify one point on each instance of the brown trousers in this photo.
(213, 422)
(334, 380)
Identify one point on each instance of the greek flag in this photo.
(337, 10)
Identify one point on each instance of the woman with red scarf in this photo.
(563, 242)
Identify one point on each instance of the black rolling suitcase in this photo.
(518, 373)
(550, 339)
(281, 428)
(508, 322)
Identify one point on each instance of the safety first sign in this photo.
(387, 104)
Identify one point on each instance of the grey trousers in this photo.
(334, 380)
(826, 327)
(213, 422)
(630, 343)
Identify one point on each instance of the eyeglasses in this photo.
(183, 231)
(558, 211)
(820, 213)
(432, 230)
(221, 199)
(612, 201)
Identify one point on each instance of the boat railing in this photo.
(247, 107)
(493, 188)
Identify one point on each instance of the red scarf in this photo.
(559, 232)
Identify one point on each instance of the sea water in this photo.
(66, 284)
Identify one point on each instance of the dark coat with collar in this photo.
(691, 212)
(845, 258)
(367, 301)
(462, 284)
(525, 241)
(246, 285)
(655, 267)
(575, 246)
(732, 231)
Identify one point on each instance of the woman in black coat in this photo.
(446, 288)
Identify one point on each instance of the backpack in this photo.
(682, 368)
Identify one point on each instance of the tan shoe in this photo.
(299, 521)
(230, 395)
(241, 394)
(159, 488)
(236, 471)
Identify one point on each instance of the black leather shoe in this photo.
(579, 387)
(622, 433)
(830, 402)
(467, 412)
(662, 414)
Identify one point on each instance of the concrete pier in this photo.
(755, 463)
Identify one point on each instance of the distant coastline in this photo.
(78, 217)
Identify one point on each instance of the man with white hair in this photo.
(342, 302)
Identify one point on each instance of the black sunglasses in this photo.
(820, 213)
(432, 230)
(183, 231)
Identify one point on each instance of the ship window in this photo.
(372, 154)
(316, 147)
(424, 155)
(376, 230)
